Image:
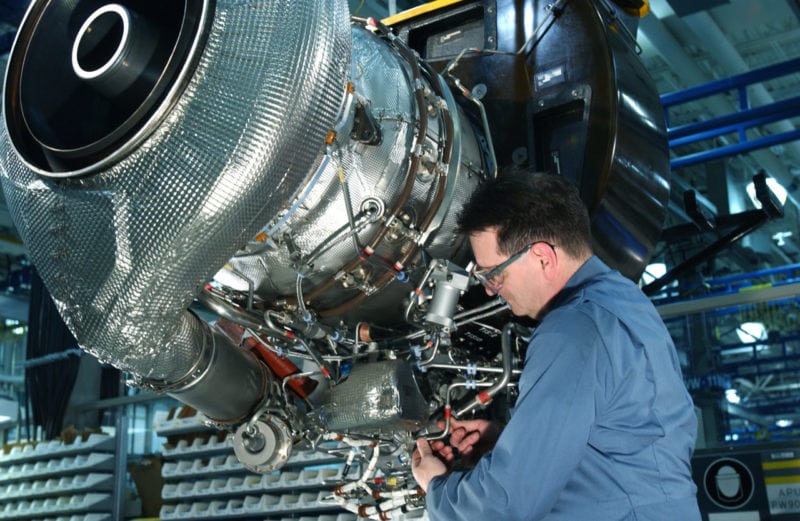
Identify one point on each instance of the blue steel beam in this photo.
(734, 82)
(738, 122)
(744, 119)
(734, 149)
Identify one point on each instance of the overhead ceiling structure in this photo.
(685, 44)
(690, 43)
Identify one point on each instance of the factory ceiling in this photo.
(686, 47)
(685, 44)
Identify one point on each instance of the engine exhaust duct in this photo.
(130, 203)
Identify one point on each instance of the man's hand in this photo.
(425, 465)
(470, 438)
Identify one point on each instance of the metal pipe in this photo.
(467, 93)
(326, 244)
(349, 209)
(447, 409)
(485, 397)
(552, 11)
(483, 307)
(418, 291)
(231, 313)
(479, 369)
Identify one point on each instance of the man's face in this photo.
(519, 283)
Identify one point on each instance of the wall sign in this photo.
(728, 483)
(782, 479)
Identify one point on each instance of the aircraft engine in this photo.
(250, 206)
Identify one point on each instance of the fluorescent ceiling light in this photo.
(732, 395)
(780, 238)
(774, 186)
(750, 332)
(653, 272)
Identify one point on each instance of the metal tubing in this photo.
(508, 330)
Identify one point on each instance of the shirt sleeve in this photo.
(540, 448)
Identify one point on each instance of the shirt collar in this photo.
(587, 272)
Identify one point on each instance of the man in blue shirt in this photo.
(603, 428)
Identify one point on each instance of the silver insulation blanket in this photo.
(124, 251)
(375, 176)
(381, 395)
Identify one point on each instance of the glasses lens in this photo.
(490, 277)
(487, 277)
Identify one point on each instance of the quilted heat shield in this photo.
(151, 164)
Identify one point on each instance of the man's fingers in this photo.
(467, 442)
(424, 447)
(437, 445)
(447, 454)
(456, 435)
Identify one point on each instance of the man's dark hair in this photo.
(526, 207)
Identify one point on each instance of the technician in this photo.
(603, 428)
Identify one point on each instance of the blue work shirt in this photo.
(603, 428)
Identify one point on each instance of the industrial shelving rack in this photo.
(203, 478)
(55, 481)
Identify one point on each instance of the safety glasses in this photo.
(491, 277)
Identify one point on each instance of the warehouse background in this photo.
(724, 275)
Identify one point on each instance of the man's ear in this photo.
(545, 257)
